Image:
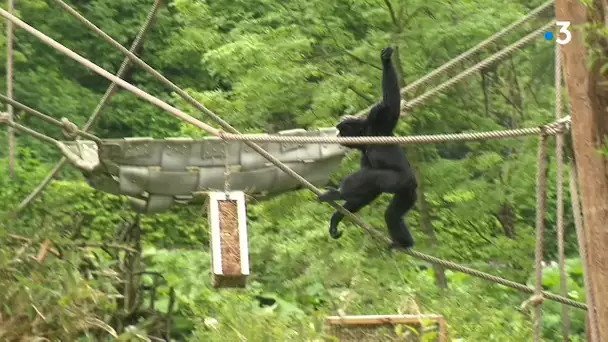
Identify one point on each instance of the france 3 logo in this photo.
(563, 32)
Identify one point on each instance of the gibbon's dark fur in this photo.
(384, 168)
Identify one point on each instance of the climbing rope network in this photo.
(228, 133)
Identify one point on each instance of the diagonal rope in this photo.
(30, 132)
(582, 243)
(467, 54)
(408, 106)
(124, 68)
(559, 151)
(52, 43)
(66, 125)
(541, 213)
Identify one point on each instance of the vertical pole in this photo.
(559, 152)
(9, 89)
(592, 334)
(541, 209)
(588, 101)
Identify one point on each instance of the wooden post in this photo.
(361, 328)
(10, 33)
(588, 102)
(229, 246)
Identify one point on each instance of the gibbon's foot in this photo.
(399, 247)
(332, 194)
(334, 233)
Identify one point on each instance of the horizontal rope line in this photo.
(551, 129)
(409, 105)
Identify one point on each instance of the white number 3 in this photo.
(564, 29)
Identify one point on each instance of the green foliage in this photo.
(265, 66)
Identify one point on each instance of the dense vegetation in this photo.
(267, 65)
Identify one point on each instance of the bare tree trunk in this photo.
(588, 102)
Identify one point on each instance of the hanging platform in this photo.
(372, 328)
(156, 173)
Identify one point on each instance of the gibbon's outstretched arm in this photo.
(385, 115)
(390, 85)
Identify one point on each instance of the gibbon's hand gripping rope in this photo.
(47, 40)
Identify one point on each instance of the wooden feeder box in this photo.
(229, 246)
(375, 328)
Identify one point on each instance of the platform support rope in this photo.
(122, 71)
(582, 243)
(227, 170)
(559, 154)
(541, 210)
(249, 141)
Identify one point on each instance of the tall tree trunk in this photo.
(588, 101)
(506, 217)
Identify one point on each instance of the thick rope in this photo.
(226, 170)
(495, 279)
(47, 40)
(582, 246)
(559, 152)
(551, 129)
(31, 132)
(65, 124)
(467, 54)
(124, 68)
(541, 211)
(408, 106)
(10, 38)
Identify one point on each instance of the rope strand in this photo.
(582, 243)
(64, 123)
(559, 152)
(550, 129)
(467, 54)
(408, 106)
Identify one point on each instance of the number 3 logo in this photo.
(564, 29)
